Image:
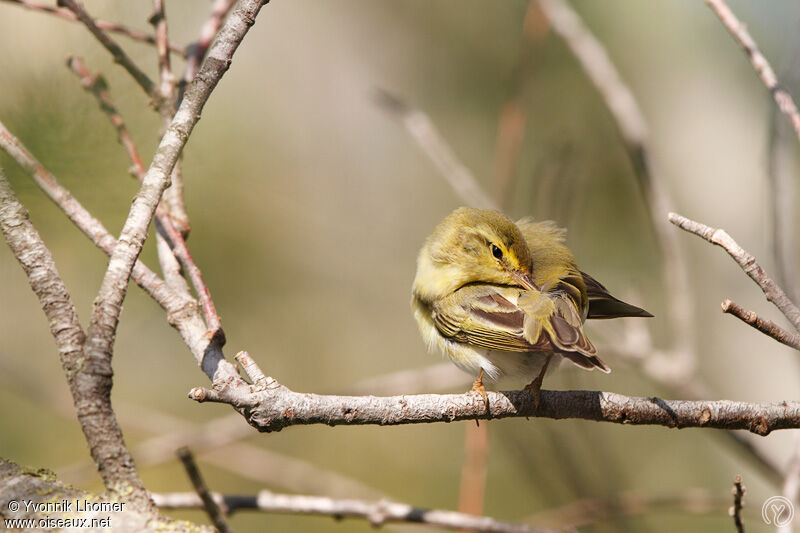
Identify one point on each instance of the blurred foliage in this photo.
(308, 205)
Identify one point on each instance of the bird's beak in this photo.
(524, 279)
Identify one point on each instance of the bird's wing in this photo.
(514, 319)
(603, 305)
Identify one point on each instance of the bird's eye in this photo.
(497, 252)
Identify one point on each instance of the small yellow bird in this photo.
(502, 299)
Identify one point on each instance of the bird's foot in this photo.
(478, 387)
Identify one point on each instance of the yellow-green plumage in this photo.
(501, 297)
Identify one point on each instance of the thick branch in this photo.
(377, 513)
(271, 407)
(748, 263)
(767, 327)
(89, 380)
(197, 50)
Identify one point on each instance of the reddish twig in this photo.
(767, 327)
(116, 51)
(66, 14)
(97, 86)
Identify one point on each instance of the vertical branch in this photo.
(472, 490)
(738, 504)
(211, 507)
(513, 119)
(89, 379)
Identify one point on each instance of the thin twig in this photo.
(736, 510)
(108, 304)
(166, 80)
(66, 14)
(748, 263)
(762, 67)
(99, 88)
(211, 507)
(767, 327)
(116, 51)
(424, 132)
(377, 513)
(791, 483)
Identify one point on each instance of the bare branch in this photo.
(791, 482)
(113, 288)
(89, 379)
(167, 82)
(596, 510)
(272, 407)
(748, 263)
(66, 14)
(736, 510)
(424, 132)
(211, 507)
(767, 327)
(119, 54)
(377, 513)
(762, 67)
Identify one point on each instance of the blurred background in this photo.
(308, 204)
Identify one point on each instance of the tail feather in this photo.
(603, 305)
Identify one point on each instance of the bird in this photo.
(504, 299)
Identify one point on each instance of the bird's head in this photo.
(472, 246)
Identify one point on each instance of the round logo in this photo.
(777, 511)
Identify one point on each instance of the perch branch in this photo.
(762, 67)
(113, 27)
(270, 406)
(89, 379)
(377, 513)
(211, 507)
(748, 263)
(767, 327)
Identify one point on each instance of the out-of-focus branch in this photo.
(513, 117)
(746, 261)
(166, 80)
(88, 379)
(589, 511)
(66, 14)
(202, 492)
(762, 67)
(679, 362)
(99, 88)
(269, 406)
(116, 51)
(738, 504)
(377, 513)
(424, 132)
(474, 470)
(767, 327)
